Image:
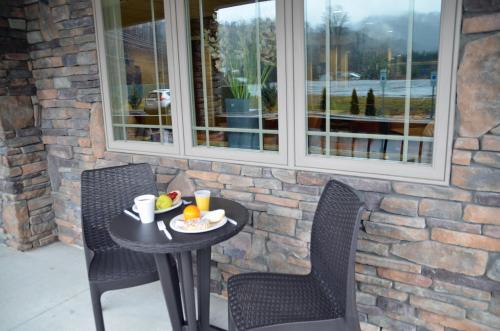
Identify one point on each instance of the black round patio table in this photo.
(132, 234)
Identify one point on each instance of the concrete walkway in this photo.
(47, 289)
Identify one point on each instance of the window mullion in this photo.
(172, 49)
(409, 52)
(203, 72)
(157, 76)
(118, 47)
(328, 69)
(259, 73)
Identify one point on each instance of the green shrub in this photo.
(370, 104)
(354, 103)
(322, 103)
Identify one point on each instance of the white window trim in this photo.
(224, 153)
(129, 145)
(438, 172)
(291, 103)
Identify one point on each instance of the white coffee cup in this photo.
(146, 207)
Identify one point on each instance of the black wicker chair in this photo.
(105, 194)
(322, 300)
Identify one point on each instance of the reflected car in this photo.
(342, 75)
(151, 101)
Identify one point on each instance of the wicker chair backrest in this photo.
(106, 193)
(331, 240)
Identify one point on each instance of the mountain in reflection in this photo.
(425, 31)
(362, 49)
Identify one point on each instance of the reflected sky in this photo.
(241, 13)
(357, 10)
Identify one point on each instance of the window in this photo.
(233, 61)
(349, 86)
(235, 79)
(370, 85)
(390, 61)
(139, 98)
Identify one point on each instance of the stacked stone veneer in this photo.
(27, 218)
(428, 256)
(64, 61)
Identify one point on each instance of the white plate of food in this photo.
(207, 222)
(165, 202)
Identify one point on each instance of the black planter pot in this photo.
(240, 116)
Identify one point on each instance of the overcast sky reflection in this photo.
(357, 10)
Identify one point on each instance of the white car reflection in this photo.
(157, 97)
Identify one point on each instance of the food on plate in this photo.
(191, 212)
(215, 215)
(163, 202)
(196, 224)
(192, 220)
(175, 196)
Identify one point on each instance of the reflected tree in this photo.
(354, 103)
(370, 104)
(322, 102)
(336, 19)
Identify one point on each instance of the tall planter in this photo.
(240, 116)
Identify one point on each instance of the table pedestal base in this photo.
(169, 279)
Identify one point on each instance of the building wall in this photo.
(428, 256)
(26, 218)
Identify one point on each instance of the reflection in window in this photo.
(371, 78)
(136, 58)
(233, 63)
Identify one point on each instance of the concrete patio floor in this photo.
(47, 289)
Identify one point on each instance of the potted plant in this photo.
(245, 62)
(135, 98)
(134, 101)
(240, 101)
(269, 94)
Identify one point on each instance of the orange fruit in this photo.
(191, 212)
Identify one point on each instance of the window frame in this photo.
(131, 145)
(227, 153)
(291, 102)
(438, 172)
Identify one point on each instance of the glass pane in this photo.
(136, 58)
(316, 144)
(420, 151)
(233, 61)
(271, 142)
(144, 133)
(371, 73)
(200, 138)
(220, 138)
(425, 45)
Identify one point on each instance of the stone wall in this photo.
(62, 44)
(26, 205)
(428, 256)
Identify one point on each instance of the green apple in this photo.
(163, 202)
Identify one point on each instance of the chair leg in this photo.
(95, 295)
(231, 326)
(352, 321)
(355, 324)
